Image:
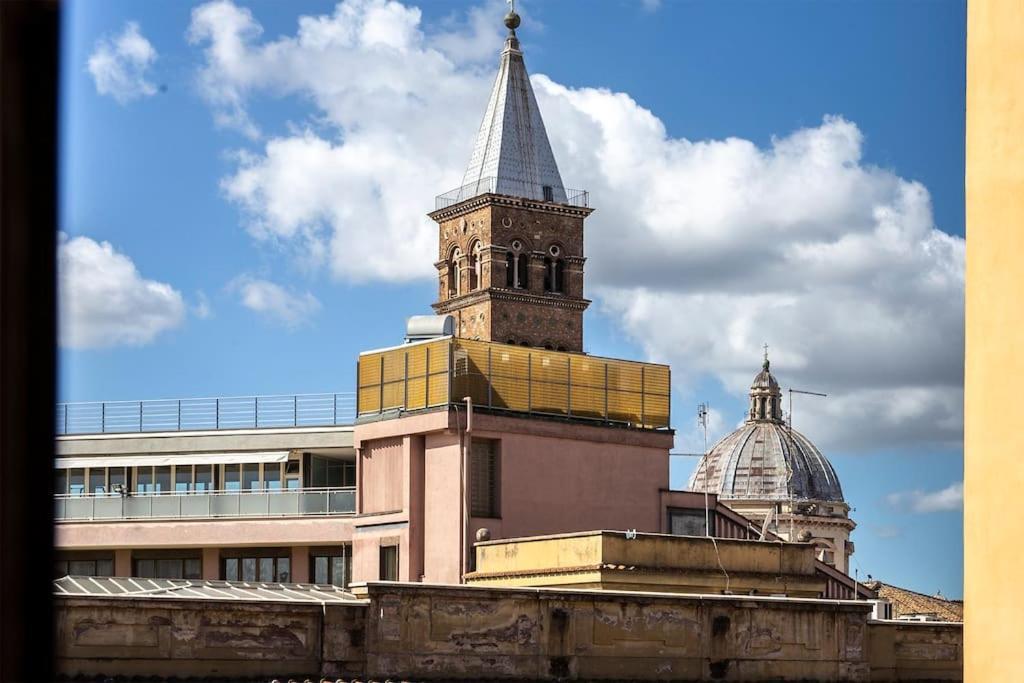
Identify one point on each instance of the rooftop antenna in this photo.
(702, 420)
(789, 472)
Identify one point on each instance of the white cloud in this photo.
(274, 301)
(104, 301)
(119, 65)
(702, 250)
(949, 498)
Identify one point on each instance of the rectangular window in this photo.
(84, 564)
(250, 476)
(272, 477)
(76, 482)
(165, 564)
(162, 478)
(116, 477)
(232, 481)
(331, 566)
(193, 568)
(97, 480)
(204, 478)
(144, 480)
(183, 478)
(686, 522)
(389, 563)
(256, 565)
(484, 481)
(60, 482)
(331, 472)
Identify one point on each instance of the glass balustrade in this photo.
(208, 504)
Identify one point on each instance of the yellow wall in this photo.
(994, 441)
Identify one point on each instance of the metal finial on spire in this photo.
(512, 20)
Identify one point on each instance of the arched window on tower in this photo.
(454, 274)
(554, 270)
(475, 266)
(516, 266)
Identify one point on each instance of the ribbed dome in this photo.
(765, 459)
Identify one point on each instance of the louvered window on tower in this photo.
(484, 479)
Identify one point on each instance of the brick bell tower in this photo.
(510, 256)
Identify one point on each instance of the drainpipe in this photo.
(465, 485)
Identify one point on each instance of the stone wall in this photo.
(916, 651)
(428, 632)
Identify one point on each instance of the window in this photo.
(510, 270)
(549, 193)
(484, 482)
(232, 482)
(84, 564)
(166, 565)
(272, 477)
(76, 482)
(204, 478)
(293, 474)
(97, 480)
(182, 478)
(257, 564)
(162, 479)
(687, 522)
(250, 476)
(60, 482)
(331, 472)
(117, 479)
(331, 566)
(389, 563)
(144, 480)
(454, 274)
(475, 267)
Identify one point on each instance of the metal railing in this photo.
(206, 504)
(227, 412)
(513, 188)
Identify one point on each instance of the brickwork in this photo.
(493, 304)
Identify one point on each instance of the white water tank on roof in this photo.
(420, 327)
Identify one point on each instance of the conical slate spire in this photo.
(512, 154)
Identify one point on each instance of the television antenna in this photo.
(789, 472)
(702, 421)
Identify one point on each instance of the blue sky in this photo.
(789, 173)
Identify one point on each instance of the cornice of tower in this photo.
(474, 203)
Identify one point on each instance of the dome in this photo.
(765, 459)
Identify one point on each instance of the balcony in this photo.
(501, 377)
(226, 412)
(205, 505)
(513, 188)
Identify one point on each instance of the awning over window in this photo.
(175, 459)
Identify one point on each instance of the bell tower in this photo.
(510, 239)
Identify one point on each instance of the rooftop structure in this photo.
(502, 377)
(768, 470)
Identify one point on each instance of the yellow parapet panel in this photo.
(993, 442)
(505, 377)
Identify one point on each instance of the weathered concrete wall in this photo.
(916, 651)
(202, 639)
(431, 632)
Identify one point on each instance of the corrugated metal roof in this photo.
(195, 589)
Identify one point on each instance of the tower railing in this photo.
(513, 187)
